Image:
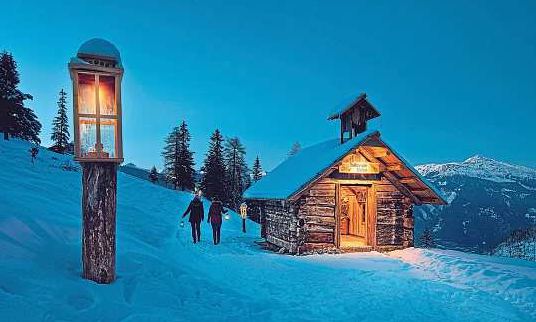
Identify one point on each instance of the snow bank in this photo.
(512, 280)
(162, 276)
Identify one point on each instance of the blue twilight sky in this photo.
(451, 79)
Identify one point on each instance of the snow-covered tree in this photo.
(153, 175)
(178, 159)
(15, 119)
(427, 240)
(213, 180)
(237, 172)
(257, 170)
(60, 126)
(296, 147)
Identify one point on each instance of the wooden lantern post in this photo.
(96, 73)
(244, 215)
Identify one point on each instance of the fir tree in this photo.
(427, 240)
(213, 180)
(257, 170)
(60, 126)
(153, 175)
(15, 119)
(178, 159)
(296, 147)
(237, 172)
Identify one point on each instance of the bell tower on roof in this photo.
(354, 117)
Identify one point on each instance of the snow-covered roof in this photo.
(298, 170)
(100, 47)
(347, 104)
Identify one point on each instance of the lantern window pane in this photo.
(86, 94)
(108, 133)
(107, 95)
(88, 135)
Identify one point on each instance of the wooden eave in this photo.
(96, 68)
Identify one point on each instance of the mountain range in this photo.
(487, 200)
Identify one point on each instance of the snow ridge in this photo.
(480, 167)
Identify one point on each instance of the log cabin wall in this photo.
(256, 210)
(315, 213)
(394, 219)
(309, 223)
(281, 225)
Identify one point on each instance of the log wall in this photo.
(315, 212)
(309, 223)
(394, 218)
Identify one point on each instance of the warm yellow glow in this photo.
(107, 95)
(243, 210)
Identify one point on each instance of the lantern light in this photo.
(96, 72)
(227, 217)
(243, 211)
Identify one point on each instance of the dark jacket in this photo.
(214, 213)
(195, 208)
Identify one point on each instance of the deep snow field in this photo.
(162, 276)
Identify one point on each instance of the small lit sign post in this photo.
(96, 72)
(244, 215)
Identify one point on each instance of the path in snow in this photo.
(162, 276)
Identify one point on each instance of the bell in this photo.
(227, 217)
(182, 224)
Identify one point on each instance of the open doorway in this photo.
(353, 216)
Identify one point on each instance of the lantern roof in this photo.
(98, 47)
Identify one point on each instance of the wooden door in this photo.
(353, 215)
(360, 211)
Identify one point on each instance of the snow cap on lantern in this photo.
(98, 48)
(96, 72)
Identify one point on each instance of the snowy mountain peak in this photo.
(478, 159)
(481, 167)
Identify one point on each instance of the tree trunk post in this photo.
(99, 182)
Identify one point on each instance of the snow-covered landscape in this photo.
(162, 276)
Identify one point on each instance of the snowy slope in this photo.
(163, 277)
(487, 200)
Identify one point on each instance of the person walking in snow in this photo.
(197, 215)
(215, 218)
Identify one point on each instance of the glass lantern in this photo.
(97, 116)
(243, 211)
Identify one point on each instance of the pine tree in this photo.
(15, 119)
(178, 159)
(257, 170)
(153, 175)
(60, 126)
(213, 180)
(427, 240)
(296, 147)
(237, 172)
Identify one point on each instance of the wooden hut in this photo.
(354, 193)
